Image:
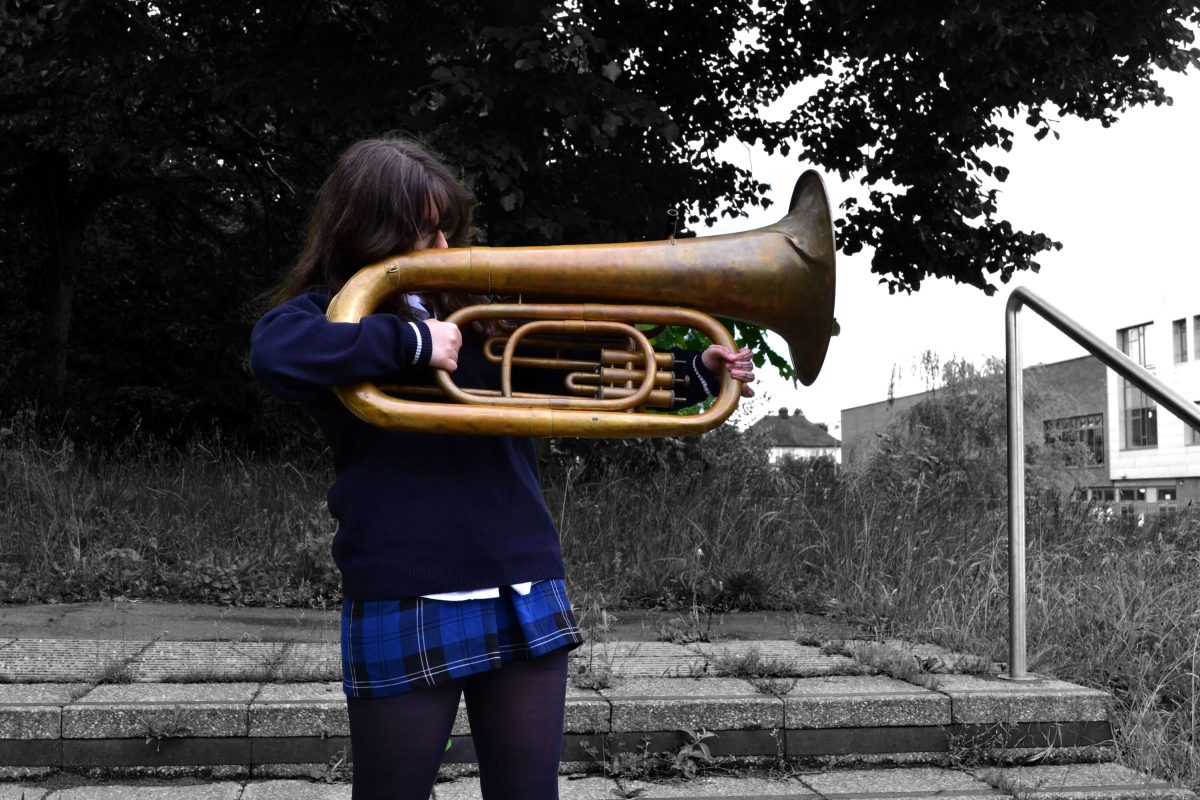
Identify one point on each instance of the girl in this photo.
(452, 575)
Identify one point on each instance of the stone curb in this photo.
(260, 721)
(1080, 782)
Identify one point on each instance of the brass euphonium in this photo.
(780, 277)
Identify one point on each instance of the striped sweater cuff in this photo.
(416, 344)
(707, 380)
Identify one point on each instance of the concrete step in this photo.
(271, 709)
(1076, 782)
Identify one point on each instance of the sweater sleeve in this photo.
(701, 383)
(295, 349)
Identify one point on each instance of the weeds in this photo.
(685, 762)
(752, 664)
(115, 671)
(889, 660)
(337, 769)
(694, 754)
(159, 727)
(592, 674)
(1012, 785)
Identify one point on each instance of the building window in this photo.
(1132, 495)
(1179, 339)
(1087, 430)
(1132, 342)
(1166, 494)
(1139, 414)
(1141, 419)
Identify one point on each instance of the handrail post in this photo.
(1014, 378)
(1110, 357)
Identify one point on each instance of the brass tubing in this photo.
(583, 327)
(620, 357)
(615, 375)
(561, 323)
(493, 350)
(436, 391)
(659, 398)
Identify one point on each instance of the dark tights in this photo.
(516, 715)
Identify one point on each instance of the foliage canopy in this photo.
(160, 157)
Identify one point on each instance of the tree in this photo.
(161, 156)
(219, 123)
(920, 100)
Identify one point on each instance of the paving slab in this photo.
(1080, 782)
(937, 659)
(16, 791)
(34, 711)
(909, 782)
(862, 701)
(798, 659)
(174, 790)
(587, 711)
(669, 704)
(989, 698)
(642, 659)
(295, 790)
(311, 661)
(195, 662)
(748, 788)
(160, 709)
(64, 660)
(592, 788)
(299, 709)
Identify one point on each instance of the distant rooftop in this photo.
(791, 429)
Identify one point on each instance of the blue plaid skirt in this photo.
(395, 646)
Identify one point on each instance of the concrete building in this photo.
(1154, 458)
(1070, 405)
(1144, 461)
(791, 436)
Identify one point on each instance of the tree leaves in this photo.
(916, 104)
(573, 123)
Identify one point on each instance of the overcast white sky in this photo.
(1124, 201)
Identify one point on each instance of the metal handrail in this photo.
(1111, 357)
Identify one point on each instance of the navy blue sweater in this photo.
(417, 513)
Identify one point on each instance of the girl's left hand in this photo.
(740, 366)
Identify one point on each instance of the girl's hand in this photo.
(447, 339)
(740, 366)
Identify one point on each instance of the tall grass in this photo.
(914, 547)
(150, 520)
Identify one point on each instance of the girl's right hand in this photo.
(447, 339)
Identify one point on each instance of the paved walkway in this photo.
(1076, 782)
(251, 699)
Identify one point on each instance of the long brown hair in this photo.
(384, 197)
